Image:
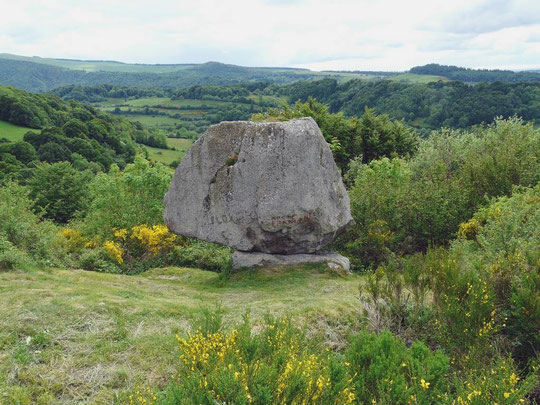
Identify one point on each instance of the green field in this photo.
(180, 144)
(157, 121)
(414, 78)
(72, 336)
(95, 66)
(13, 132)
(167, 156)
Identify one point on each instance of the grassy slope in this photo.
(95, 66)
(76, 336)
(13, 132)
(113, 66)
(415, 78)
(167, 156)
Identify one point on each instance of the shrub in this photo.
(276, 365)
(385, 371)
(124, 199)
(59, 190)
(482, 294)
(25, 232)
(203, 255)
(498, 383)
(96, 259)
(10, 256)
(424, 200)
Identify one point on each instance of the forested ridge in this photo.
(433, 105)
(476, 75)
(424, 106)
(33, 76)
(67, 131)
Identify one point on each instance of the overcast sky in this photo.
(325, 34)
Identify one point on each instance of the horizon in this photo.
(529, 68)
(313, 34)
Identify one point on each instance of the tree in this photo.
(59, 190)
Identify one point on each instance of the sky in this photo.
(316, 34)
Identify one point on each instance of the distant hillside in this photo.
(64, 131)
(476, 75)
(450, 104)
(42, 74)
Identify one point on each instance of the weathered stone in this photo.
(269, 187)
(333, 260)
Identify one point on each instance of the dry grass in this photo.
(71, 336)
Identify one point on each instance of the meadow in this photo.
(73, 336)
(13, 133)
(167, 156)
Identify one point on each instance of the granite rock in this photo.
(269, 187)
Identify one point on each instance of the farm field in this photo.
(73, 336)
(416, 78)
(12, 132)
(157, 121)
(167, 156)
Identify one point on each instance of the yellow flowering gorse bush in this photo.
(140, 242)
(273, 366)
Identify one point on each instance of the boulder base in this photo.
(269, 187)
(257, 259)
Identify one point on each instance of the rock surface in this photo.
(255, 259)
(269, 187)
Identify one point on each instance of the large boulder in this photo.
(270, 187)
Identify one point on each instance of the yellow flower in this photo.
(114, 250)
(424, 384)
(507, 395)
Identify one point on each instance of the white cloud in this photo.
(322, 34)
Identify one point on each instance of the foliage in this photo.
(24, 237)
(203, 255)
(425, 106)
(385, 371)
(140, 247)
(476, 299)
(403, 206)
(276, 365)
(124, 199)
(499, 382)
(69, 128)
(59, 190)
(41, 75)
(369, 137)
(475, 75)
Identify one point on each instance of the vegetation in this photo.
(428, 106)
(41, 74)
(11, 133)
(403, 206)
(445, 248)
(476, 75)
(65, 131)
(366, 138)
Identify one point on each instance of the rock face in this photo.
(268, 187)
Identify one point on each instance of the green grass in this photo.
(180, 144)
(71, 336)
(13, 132)
(414, 78)
(167, 156)
(95, 66)
(153, 121)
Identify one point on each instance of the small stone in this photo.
(333, 260)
